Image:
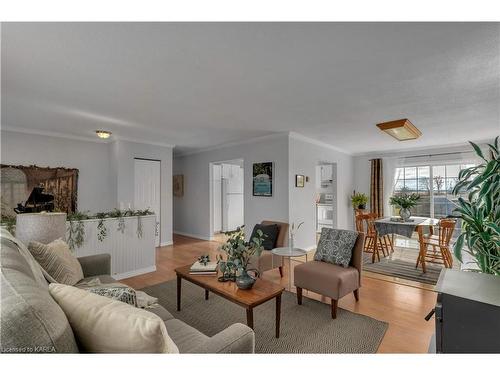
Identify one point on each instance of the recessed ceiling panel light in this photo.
(402, 130)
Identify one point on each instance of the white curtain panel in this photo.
(390, 164)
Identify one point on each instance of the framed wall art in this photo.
(262, 174)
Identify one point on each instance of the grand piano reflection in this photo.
(38, 201)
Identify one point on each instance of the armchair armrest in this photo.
(237, 338)
(94, 265)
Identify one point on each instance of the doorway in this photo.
(147, 180)
(227, 200)
(326, 196)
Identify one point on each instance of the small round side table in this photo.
(288, 252)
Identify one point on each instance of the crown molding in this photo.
(231, 144)
(162, 144)
(316, 142)
(112, 139)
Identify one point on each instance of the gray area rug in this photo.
(402, 269)
(304, 329)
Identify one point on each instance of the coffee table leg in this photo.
(250, 317)
(278, 315)
(206, 294)
(179, 284)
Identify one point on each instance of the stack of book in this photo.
(209, 269)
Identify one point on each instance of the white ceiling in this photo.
(197, 85)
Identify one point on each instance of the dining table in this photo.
(395, 225)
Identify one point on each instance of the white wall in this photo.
(192, 211)
(123, 154)
(106, 170)
(95, 190)
(304, 156)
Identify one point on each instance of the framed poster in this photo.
(263, 179)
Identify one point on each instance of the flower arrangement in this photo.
(293, 232)
(404, 200)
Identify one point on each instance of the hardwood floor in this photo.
(402, 306)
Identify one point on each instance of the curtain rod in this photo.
(431, 155)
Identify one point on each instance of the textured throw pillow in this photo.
(335, 246)
(103, 325)
(270, 235)
(118, 293)
(58, 261)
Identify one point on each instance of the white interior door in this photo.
(147, 189)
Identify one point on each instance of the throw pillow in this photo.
(58, 261)
(103, 325)
(270, 235)
(119, 293)
(335, 246)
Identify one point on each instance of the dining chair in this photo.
(440, 245)
(373, 244)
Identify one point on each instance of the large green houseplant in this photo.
(480, 212)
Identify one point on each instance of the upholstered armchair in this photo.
(331, 280)
(267, 261)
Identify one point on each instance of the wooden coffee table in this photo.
(262, 291)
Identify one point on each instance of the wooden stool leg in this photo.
(299, 295)
(334, 308)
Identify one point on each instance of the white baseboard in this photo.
(140, 271)
(198, 236)
(166, 243)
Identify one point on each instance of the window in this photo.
(434, 184)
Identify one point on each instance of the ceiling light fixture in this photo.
(103, 134)
(402, 130)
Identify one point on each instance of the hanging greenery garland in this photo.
(76, 229)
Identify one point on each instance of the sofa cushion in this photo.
(30, 320)
(58, 261)
(162, 312)
(185, 337)
(103, 325)
(270, 235)
(335, 246)
(327, 279)
(95, 280)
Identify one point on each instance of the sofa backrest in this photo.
(30, 320)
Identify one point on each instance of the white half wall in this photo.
(304, 156)
(95, 186)
(192, 211)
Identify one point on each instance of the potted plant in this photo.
(238, 254)
(293, 232)
(359, 200)
(404, 202)
(480, 212)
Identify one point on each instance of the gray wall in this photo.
(106, 170)
(304, 157)
(95, 191)
(192, 211)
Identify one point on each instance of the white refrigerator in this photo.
(232, 197)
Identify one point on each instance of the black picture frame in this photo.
(300, 180)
